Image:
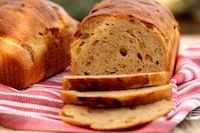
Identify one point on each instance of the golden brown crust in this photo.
(174, 53)
(117, 98)
(143, 10)
(114, 82)
(35, 37)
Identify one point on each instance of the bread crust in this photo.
(117, 98)
(35, 37)
(114, 82)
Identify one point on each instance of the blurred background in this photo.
(187, 12)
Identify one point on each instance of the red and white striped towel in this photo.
(37, 108)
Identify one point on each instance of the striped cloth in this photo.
(37, 108)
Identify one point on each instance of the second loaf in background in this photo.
(35, 36)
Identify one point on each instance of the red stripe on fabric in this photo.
(193, 49)
(43, 93)
(189, 89)
(180, 87)
(32, 100)
(4, 88)
(30, 110)
(197, 61)
(28, 123)
(50, 83)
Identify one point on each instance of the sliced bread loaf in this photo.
(117, 98)
(114, 118)
(114, 82)
(125, 37)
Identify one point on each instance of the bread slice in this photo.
(125, 37)
(114, 82)
(117, 98)
(114, 118)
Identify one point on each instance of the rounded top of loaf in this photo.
(149, 12)
(20, 18)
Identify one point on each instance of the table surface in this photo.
(186, 126)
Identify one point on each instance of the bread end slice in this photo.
(108, 119)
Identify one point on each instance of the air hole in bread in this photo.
(132, 21)
(174, 27)
(131, 41)
(130, 16)
(123, 51)
(88, 63)
(148, 57)
(157, 62)
(82, 43)
(86, 73)
(23, 5)
(148, 25)
(40, 33)
(139, 70)
(107, 24)
(110, 72)
(139, 56)
(85, 36)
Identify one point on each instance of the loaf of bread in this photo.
(117, 98)
(119, 48)
(114, 82)
(114, 118)
(126, 37)
(35, 36)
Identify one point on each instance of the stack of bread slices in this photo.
(122, 59)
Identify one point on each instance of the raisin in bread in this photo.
(125, 37)
(117, 98)
(114, 118)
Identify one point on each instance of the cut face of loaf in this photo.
(108, 119)
(117, 98)
(120, 37)
(111, 45)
